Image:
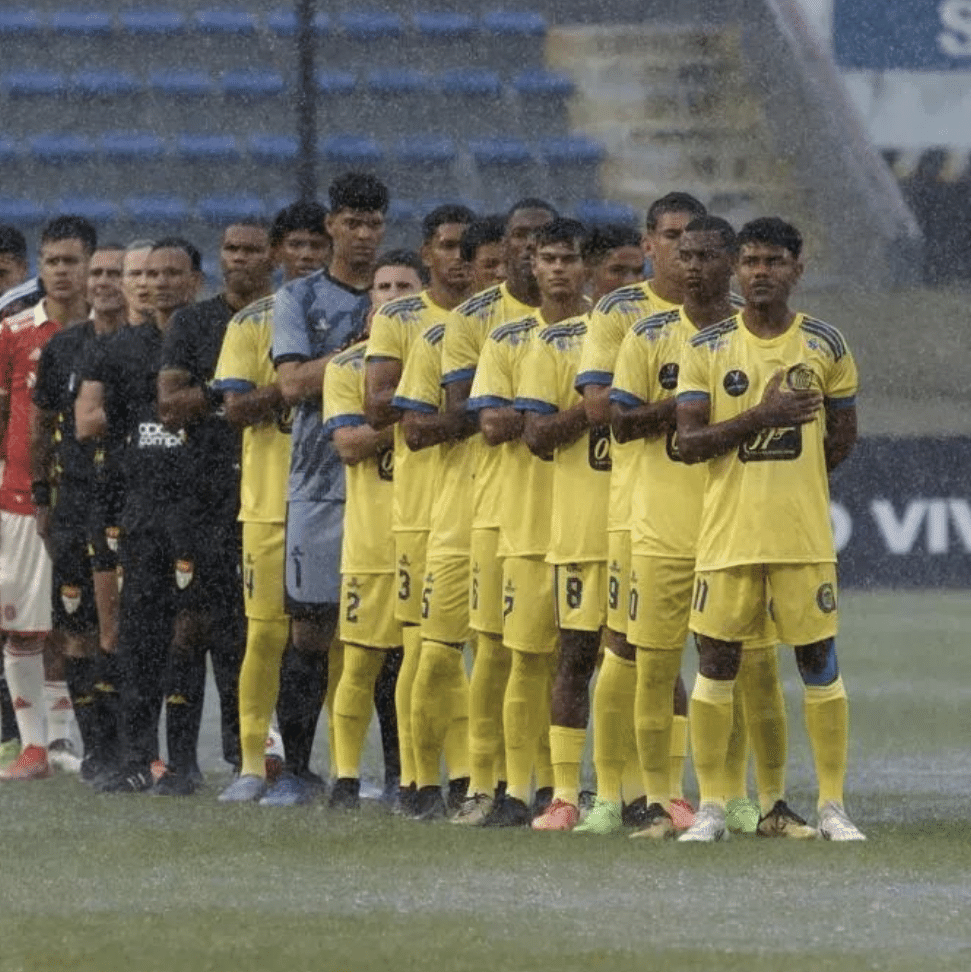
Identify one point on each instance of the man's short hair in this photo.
(442, 215)
(607, 237)
(141, 244)
(482, 232)
(358, 190)
(715, 224)
(257, 222)
(531, 202)
(70, 228)
(178, 243)
(673, 202)
(307, 216)
(13, 243)
(771, 231)
(402, 258)
(562, 230)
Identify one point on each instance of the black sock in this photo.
(388, 715)
(8, 718)
(303, 688)
(184, 697)
(226, 653)
(107, 701)
(79, 673)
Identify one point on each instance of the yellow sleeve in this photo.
(493, 384)
(386, 339)
(694, 380)
(842, 382)
(420, 389)
(343, 392)
(540, 386)
(605, 334)
(631, 384)
(460, 349)
(238, 368)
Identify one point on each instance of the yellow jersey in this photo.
(581, 470)
(610, 320)
(245, 364)
(768, 500)
(420, 390)
(394, 329)
(470, 325)
(525, 481)
(368, 544)
(666, 500)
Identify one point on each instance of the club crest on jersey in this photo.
(184, 571)
(112, 535)
(826, 598)
(736, 382)
(800, 377)
(668, 376)
(70, 598)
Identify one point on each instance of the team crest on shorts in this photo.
(70, 598)
(184, 571)
(826, 598)
(111, 538)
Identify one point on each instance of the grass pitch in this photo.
(136, 884)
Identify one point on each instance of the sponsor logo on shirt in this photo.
(154, 435)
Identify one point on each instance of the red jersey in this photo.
(21, 339)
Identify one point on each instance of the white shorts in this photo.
(25, 576)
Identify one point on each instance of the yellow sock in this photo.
(259, 685)
(765, 715)
(440, 669)
(736, 755)
(456, 745)
(522, 713)
(335, 667)
(353, 705)
(487, 686)
(543, 763)
(566, 752)
(828, 727)
(411, 637)
(613, 723)
(657, 672)
(711, 723)
(679, 755)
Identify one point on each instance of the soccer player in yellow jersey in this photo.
(245, 375)
(769, 398)
(394, 328)
(529, 624)
(478, 567)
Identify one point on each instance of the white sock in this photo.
(61, 723)
(25, 679)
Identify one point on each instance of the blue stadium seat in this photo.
(223, 210)
(370, 25)
(336, 83)
(402, 211)
(30, 83)
(156, 210)
(241, 23)
(443, 25)
(104, 83)
(471, 82)
(21, 212)
(540, 83)
(93, 208)
(496, 152)
(420, 163)
(81, 23)
(351, 150)
(207, 148)
(128, 146)
(597, 212)
(273, 149)
(62, 148)
(392, 81)
(515, 23)
(424, 150)
(576, 150)
(20, 23)
(8, 151)
(283, 23)
(181, 83)
(152, 22)
(252, 83)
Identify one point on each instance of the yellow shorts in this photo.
(445, 599)
(367, 611)
(581, 596)
(409, 553)
(618, 580)
(660, 605)
(485, 587)
(529, 621)
(731, 604)
(263, 546)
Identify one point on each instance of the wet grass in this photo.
(137, 884)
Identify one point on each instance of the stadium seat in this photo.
(336, 83)
(180, 83)
(508, 170)
(8, 151)
(21, 212)
(470, 82)
(572, 150)
(421, 164)
(399, 102)
(283, 23)
(422, 150)
(93, 208)
(19, 23)
(500, 152)
(156, 210)
(597, 212)
(443, 25)
(350, 150)
(31, 83)
(223, 210)
(62, 148)
(402, 211)
(81, 23)
(370, 25)
(239, 23)
(540, 83)
(515, 23)
(273, 149)
(129, 146)
(192, 148)
(104, 83)
(152, 22)
(396, 81)
(542, 97)
(252, 83)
